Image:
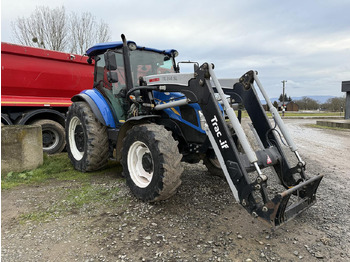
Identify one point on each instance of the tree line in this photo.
(335, 104)
(55, 29)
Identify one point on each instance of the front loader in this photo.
(150, 117)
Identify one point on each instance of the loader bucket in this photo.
(280, 210)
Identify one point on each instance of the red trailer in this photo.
(36, 88)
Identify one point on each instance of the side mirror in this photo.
(112, 77)
(110, 60)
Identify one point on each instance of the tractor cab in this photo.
(119, 67)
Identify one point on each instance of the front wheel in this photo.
(151, 162)
(87, 139)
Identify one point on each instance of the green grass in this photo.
(313, 114)
(56, 167)
(74, 200)
(326, 127)
(301, 114)
(86, 194)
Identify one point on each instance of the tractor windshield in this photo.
(144, 63)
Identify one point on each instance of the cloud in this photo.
(305, 42)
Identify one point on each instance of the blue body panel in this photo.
(160, 98)
(102, 47)
(174, 112)
(102, 105)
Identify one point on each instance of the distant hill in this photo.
(320, 99)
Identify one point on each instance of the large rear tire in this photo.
(87, 139)
(151, 162)
(53, 136)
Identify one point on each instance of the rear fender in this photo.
(44, 113)
(98, 105)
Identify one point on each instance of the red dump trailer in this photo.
(36, 88)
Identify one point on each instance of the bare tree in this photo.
(85, 32)
(307, 103)
(103, 32)
(45, 28)
(54, 29)
(335, 104)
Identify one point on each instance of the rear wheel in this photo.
(87, 139)
(53, 136)
(151, 162)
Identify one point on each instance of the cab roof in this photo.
(102, 47)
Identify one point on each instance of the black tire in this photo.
(5, 120)
(87, 139)
(151, 162)
(213, 166)
(53, 136)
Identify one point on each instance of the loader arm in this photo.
(252, 194)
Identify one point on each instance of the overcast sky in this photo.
(306, 42)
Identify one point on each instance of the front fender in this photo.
(98, 105)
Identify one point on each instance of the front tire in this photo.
(151, 162)
(87, 139)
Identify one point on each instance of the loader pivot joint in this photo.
(247, 79)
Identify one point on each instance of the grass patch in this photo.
(85, 195)
(300, 114)
(54, 167)
(312, 114)
(326, 127)
(84, 199)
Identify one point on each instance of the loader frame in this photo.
(234, 164)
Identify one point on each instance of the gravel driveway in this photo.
(200, 223)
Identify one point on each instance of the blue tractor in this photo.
(150, 117)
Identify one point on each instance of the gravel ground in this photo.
(200, 223)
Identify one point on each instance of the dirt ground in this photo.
(201, 222)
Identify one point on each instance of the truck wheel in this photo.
(151, 162)
(213, 166)
(53, 136)
(87, 139)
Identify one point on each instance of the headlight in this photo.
(175, 53)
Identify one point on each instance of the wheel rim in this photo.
(140, 164)
(76, 138)
(50, 138)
